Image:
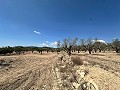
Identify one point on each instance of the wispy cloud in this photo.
(37, 32)
(49, 44)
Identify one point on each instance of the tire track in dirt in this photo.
(105, 64)
(39, 74)
(12, 84)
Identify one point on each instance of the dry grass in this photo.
(77, 61)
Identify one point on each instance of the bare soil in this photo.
(27, 72)
(104, 69)
(36, 72)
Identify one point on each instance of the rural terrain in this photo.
(59, 44)
(38, 72)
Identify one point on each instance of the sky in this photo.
(44, 22)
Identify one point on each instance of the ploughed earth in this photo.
(39, 72)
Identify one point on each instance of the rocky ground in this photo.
(104, 69)
(82, 71)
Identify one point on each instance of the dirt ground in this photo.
(36, 72)
(104, 69)
(27, 72)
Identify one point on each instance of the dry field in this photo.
(27, 72)
(104, 69)
(36, 72)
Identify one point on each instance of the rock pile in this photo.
(69, 77)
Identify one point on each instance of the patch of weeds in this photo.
(63, 69)
(3, 63)
(76, 61)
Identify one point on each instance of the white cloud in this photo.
(37, 32)
(49, 44)
(100, 41)
(53, 43)
(44, 45)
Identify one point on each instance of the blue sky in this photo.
(43, 22)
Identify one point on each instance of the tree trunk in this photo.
(89, 51)
(117, 50)
(69, 50)
(19, 53)
(41, 52)
(95, 50)
(32, 51)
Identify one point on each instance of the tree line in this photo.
(69, 45)
(90, 45)
(21, 49)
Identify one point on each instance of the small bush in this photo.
(4, 63)
(63, 69)
(77, 61)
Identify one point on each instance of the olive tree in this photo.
(58, 46)
(101, 46)
(89, 45)
(5, 50)
(116, 45)
(68, 44)
(83, 46)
